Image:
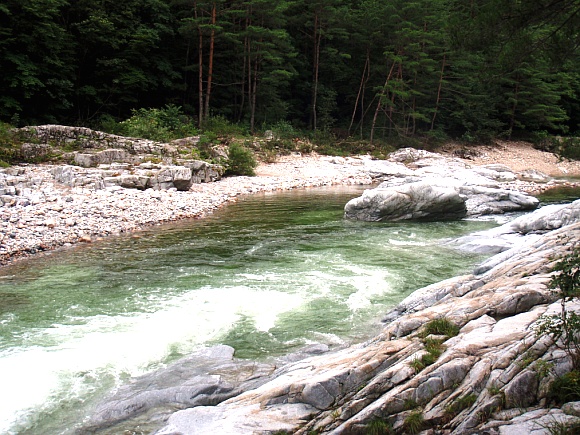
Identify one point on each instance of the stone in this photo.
(534, 176)
(415, 201)
(571, 408)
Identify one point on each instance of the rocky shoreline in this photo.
(491, 376)
(48, 214)
(46, 207)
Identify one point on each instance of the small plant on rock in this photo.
(458, 405)
(440, 326)
(379, 427)
(564, 328)
(565, 388)
(414, 422)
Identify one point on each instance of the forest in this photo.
(373, 69)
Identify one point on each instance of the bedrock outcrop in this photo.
(419, 185)
(491, 378)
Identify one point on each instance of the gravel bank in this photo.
(60, 216)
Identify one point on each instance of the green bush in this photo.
(9, 145)
(565, 388)
(564, 328)
(283, 130)
(162, 125)
(241, 160)
(378, 427)
(414, 422)
(440, 326)
(219, 125)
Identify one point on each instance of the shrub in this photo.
(9, 145)
(414, 422)
(440, 326)
(378, 427)
(283, 130)
(219, 125)
(564, 328)
(459, 405)
(241, 160)
(161, 125)
(565, 388)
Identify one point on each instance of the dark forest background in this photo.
(470, 69)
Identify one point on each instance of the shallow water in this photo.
(266, 275)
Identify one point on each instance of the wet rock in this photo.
(206, 377)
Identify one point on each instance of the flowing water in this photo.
(266, 275)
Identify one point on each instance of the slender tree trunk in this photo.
(200, 75)
(438, 93)
(317, 42)
(254, 95)
(360, 91)
(379, 104)
(514, 107)
(210, 62)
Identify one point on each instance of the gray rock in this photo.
(484, 200)
(206, 377)
(571, 408)
(534, 176)
(416, 201)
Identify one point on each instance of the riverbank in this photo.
(59, 216)
(55, 215)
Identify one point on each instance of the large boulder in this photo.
(416, 201)
(437, 197)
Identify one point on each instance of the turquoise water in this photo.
(266, 275)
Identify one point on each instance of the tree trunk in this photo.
(379, 104)
(363, 80)
(317, 41)
(200, 75)
(210, 61)
(438, 93)
(514, 107)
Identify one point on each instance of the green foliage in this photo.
(440, 326)
(568, 147)
(556, 427)
(458, 405)
(434, 346)
(379, 427)
(283, 130)
(161, 125)
(565, 388)
(219, 125)
(414, 422)
(409, 404)
(241, 160)
(564, 328)
(425, 360)
(390, 71)
(9, 145)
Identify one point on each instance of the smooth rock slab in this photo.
(415, 201)
(242, 420)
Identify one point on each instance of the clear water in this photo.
(266, 275)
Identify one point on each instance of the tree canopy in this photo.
(370, 68)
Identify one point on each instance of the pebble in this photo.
(55, 216)
(48, 215)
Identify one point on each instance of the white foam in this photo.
(127, 344)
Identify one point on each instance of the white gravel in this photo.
(60, 216)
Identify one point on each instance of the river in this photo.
(266, 275)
